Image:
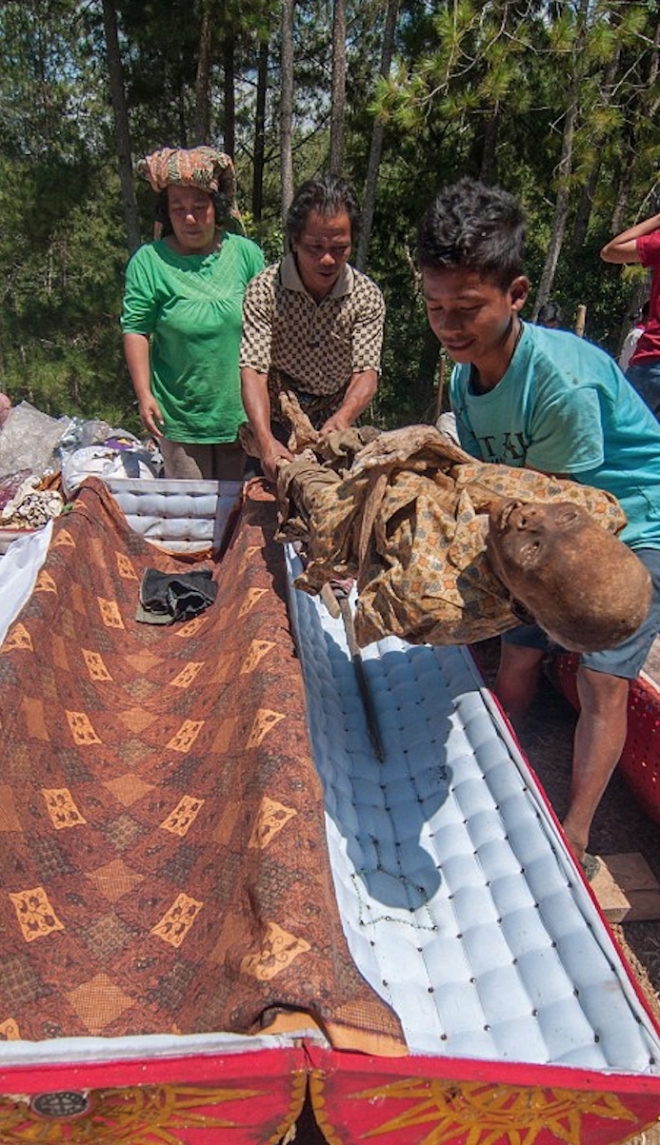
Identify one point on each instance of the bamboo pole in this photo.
(442, 365)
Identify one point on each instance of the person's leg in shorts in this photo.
(522, 651)
(186, 461)
(645, 378)
(603, 684)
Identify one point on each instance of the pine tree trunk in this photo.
(653, 93)
(286, 108)
(586, 203)
(624, 191)
(488, 172)
(648, 109)
(376, 147)
(260, 134)
(338, 106)
(228, 55)
(565, 168)
(122, 130)
(561, 211)
(202, 117)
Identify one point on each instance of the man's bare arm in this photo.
(359, 394)
(256, 402)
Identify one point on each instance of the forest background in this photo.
(557, 102)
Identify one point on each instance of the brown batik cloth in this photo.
(405, 513)
(317, 407)
(287, 419)
(163, 857)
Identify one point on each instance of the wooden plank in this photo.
(626, 888)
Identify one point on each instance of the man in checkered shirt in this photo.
(311, 324)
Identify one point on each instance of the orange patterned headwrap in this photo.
(202, 167)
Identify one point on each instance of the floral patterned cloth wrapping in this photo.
(202, 167)
(406, 514)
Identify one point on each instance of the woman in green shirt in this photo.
(181, 317)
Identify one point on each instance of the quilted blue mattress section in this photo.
(180, 515)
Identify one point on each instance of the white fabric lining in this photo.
(19, 568)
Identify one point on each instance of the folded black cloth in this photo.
(166, 597)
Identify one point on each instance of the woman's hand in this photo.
(152, 418)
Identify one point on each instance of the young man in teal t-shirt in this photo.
(547, 400)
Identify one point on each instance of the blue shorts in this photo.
(646, 380)
(627, 659)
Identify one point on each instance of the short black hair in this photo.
(329, 195)
(221, 206)
(471, 225)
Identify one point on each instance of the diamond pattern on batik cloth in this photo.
(163, 866)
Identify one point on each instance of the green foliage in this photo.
(59, 321)
(475, 88)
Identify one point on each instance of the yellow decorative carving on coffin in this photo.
(264, 722)
(141, 1115)
(9, 1031)
(174, 926)
(35, 915)
(62, 808)
(279, 949)
(482, 1113)
(272, 817)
